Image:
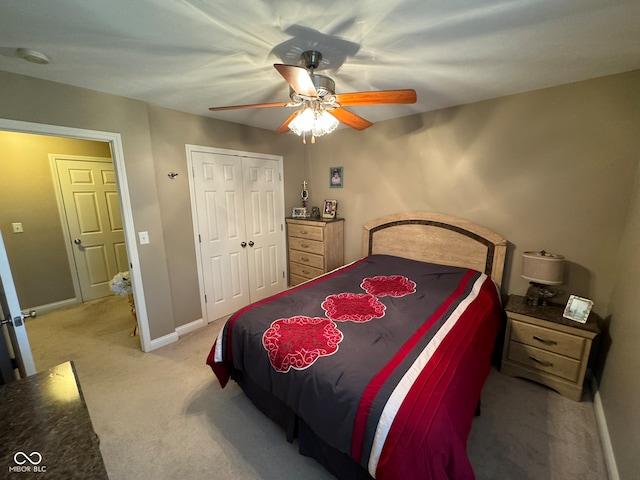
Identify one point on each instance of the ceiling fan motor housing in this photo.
(324, 85)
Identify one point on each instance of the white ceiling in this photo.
(189, 55)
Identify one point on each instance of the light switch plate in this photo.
(143, 237)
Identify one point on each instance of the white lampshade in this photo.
(543, 267)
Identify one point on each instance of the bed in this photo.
(377, 367)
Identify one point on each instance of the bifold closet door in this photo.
(240, 229)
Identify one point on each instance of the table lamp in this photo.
(542, 269)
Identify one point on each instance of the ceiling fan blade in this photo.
(350, 119)
(298, 78)
(376, 98)
(255, 105)
(284, 128)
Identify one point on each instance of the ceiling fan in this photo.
(319, 108)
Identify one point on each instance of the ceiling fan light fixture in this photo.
(324, 123)
(315, 121)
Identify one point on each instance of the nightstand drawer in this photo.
(547, 339)
(544, 361)
(306, 231)
(311, 246)
(305, 258)
(304, 271)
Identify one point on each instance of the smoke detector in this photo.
(33, 56)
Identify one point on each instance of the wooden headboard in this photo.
(437, 238)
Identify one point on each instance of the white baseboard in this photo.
(53, 306)
(601, 421)
(189, 327)
(175, 336)
(162, 341)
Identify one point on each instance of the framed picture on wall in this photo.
(336, 177)
(330, 209)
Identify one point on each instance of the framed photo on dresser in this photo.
(330, 209)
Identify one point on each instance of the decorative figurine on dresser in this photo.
(316, 246)
(301, 212)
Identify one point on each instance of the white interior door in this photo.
(239, 224)
(12, 320)
(263, 219)
(221, 231)
(92, 209)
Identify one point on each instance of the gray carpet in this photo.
(162, 414)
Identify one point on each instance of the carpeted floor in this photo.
(162, 414)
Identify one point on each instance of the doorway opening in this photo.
(115, 145)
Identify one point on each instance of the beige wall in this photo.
(620, 382)
(170, 132)
(56, 104)
(552, 169)
(38, 256)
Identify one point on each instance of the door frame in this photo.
(194, 215)
(117, 153)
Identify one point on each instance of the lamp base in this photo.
(538, 294)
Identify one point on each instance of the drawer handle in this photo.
(303, 232)
(306, 272)
(304, 259)
(541, 362)
(544, 340)
(304, 245)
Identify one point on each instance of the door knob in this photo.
(251, 244)
(77, 241)
(243, 244)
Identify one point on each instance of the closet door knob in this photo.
(251, 244)
(243, 244)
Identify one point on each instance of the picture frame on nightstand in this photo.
(578, 309)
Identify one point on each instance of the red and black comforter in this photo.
(384, 360)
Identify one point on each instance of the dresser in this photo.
(543, 346)
(46, 428)
(315, 247)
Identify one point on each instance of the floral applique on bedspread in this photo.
(298, 342)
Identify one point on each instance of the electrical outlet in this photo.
(17, 227)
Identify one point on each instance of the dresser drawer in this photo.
(296, 280)
(304, 245)
(306, 231)
(306, 258)
(544, 361)
(547, 339)
(304, 271)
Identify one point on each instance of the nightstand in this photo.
(315, 247)
(543, 346)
